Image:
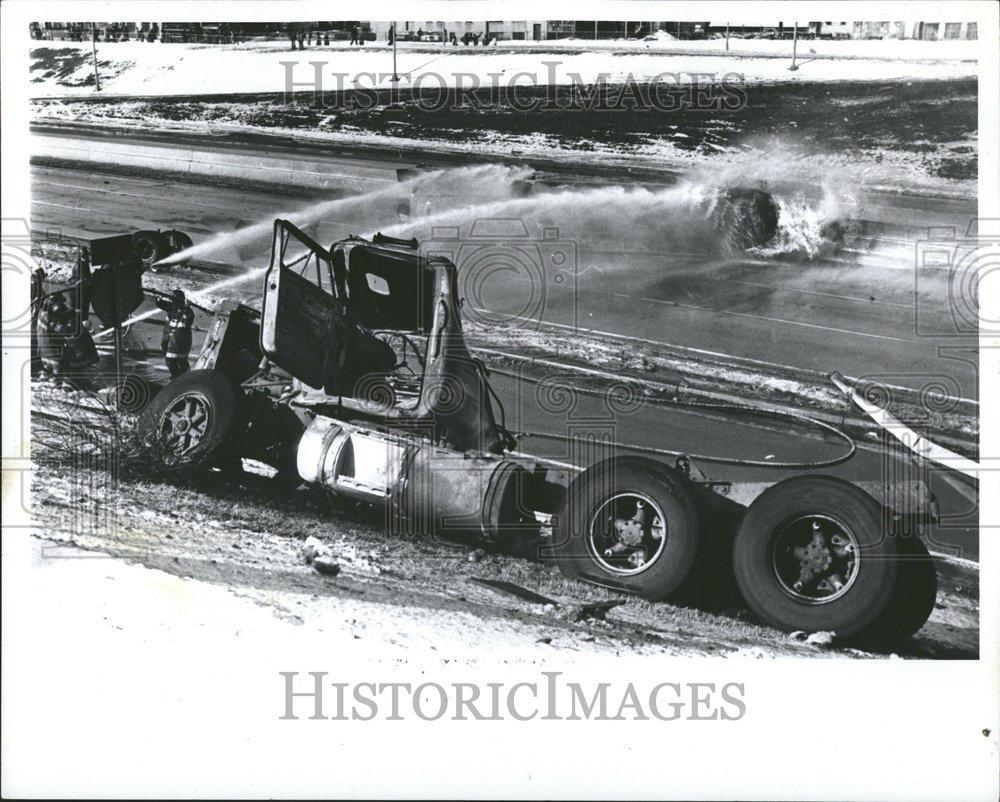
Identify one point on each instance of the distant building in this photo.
(869, 29)
(441, 30)
(210, 32)
(832, 30)
(516, 30)
(502, 30)
(945, 30)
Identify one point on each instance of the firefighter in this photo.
(79, 350)
(176, 342)
(84, 273)
(37, 293)
(55, 320)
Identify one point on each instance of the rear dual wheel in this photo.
(815, 553)
(812, 553)
(630, 524)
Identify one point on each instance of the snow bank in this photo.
(140, 68)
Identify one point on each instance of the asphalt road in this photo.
(859, 315)
(822, 315)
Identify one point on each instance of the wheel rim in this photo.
(626, 533)
(815, 558)
(185, 423)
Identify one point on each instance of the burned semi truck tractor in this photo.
(355, 377)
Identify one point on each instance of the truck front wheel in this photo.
(195, 421)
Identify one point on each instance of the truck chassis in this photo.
(354, 377)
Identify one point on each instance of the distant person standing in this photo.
(354, 35)
(392, 34)
(176, 341)
(292, 37)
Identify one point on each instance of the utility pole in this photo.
(795, 44)
(93, 38)
(395, 35)
(727, 37)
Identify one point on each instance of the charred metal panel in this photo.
(309, 327)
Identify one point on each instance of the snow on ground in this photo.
(129, 604)
(140, 68)
(931, 168)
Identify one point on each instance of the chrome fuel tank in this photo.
(427, 488)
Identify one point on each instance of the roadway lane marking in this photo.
(823, 294)
(91, 189)
(61, 205)
(118, 192)
(755, 317)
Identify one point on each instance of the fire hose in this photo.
(917, 443)
(850, 448)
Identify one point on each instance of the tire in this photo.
(745, 218)
(187, 443)
(912, 601)
(600, 536)
(778, 537)
(150, 247)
